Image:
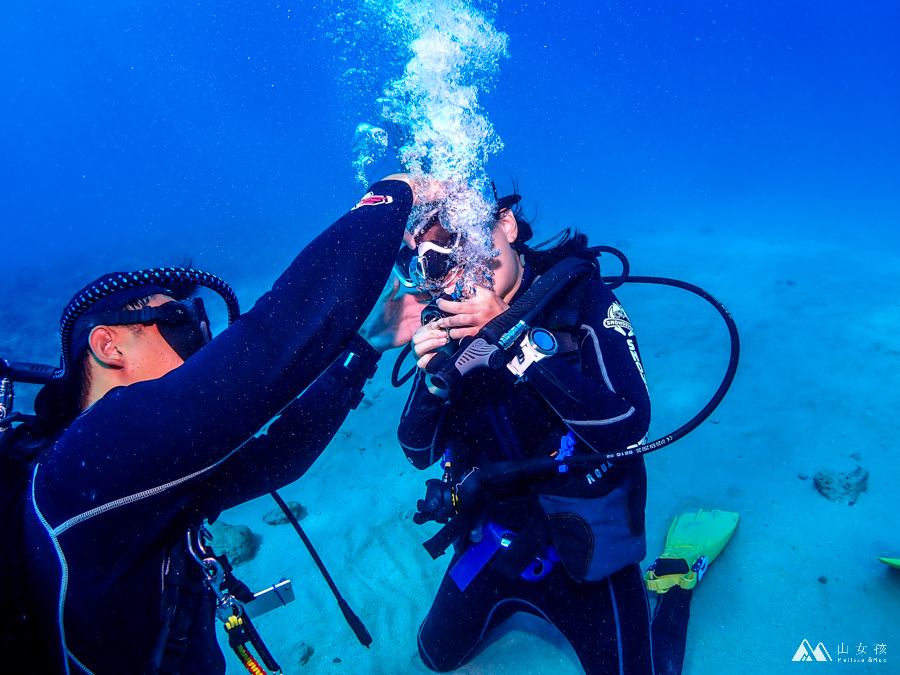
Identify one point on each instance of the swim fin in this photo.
(891, 562)
(693, 542)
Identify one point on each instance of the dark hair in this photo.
(62, 400)
(541, 257)
(82, 373)
(58, 403)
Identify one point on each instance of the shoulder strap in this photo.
(542, 292)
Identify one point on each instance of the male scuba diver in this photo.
(559, 384)
(149, 428)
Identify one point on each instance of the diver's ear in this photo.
(104, 345)
(507, 222)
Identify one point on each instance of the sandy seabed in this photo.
(820, 330)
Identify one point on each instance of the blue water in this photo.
(137, 134)
(148, 133)
(159, 126)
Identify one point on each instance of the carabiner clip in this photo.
(227, 605)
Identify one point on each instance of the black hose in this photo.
(396, 379)
(626, 267)
(730, 372)
(505, 471)
(352, 620)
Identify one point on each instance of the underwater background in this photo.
(747, 147)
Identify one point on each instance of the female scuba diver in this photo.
(564, 546)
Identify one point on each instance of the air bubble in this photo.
(441, 130)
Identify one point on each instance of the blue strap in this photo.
(473, 561)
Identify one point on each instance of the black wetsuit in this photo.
(594, 387)
(110, 502)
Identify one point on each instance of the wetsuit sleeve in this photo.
(419, 425)
(605, 402)
(172, 434)
(291, 442)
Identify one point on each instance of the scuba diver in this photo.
(564, 544)
(150, 427)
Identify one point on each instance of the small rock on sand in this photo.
(842, 487)
(304, 653)
(277, 517)
(237, 542)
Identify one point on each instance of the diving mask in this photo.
(431, 264)
(184, 326)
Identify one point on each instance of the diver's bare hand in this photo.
(469, 316)
(394, 318)
(425, 189)
(427, 340)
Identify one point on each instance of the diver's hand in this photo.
(470, 316)
(425, 189)
(465, 318)
(426, 341)
(394, 318)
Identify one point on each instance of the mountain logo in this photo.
(807, 653)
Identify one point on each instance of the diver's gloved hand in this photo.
(437, 505)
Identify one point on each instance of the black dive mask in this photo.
(184, 326)
(186, 336)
